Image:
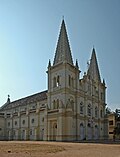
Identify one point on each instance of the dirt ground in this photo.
(57, 149)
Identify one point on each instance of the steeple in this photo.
(63, 52)
(93, 70)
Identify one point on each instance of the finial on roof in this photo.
(104, 81)
(8, 99)
(63, 17)
(77, 64)
(93, 50)
(49, 63)
(88, 64)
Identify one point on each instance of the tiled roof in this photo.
(26, 100)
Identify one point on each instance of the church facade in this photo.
(71, 109)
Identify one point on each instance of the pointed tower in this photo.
(63, 83)
(63, 52)
(93, 70)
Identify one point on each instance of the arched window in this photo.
(81, 108)
(8, 123)
(32, 120)
(15, 122)
(69, 80)
(72, 80)
(89, 125)
(102, 96)
(54, 104)
(57, 104)
(96, 126)
(96, 111)
(88, 87)
(31, 132)
(23, 122)
(101, 113)
(58, 80)
(55, 125)
(81, 124)
(54, 82)
(72, 104)
(89, 110)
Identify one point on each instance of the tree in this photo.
(117, 112)
(117, 121)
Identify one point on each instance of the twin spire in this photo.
(93, 70)
(63, 52)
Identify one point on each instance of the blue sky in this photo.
(28, 35)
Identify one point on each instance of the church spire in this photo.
(63, 52)
(93, 70)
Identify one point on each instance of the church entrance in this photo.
(23, 135)
(96, 132)
(81, 131)
(41, 134)
(54, 131)
(9, 135)
(89, 130)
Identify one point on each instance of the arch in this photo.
(72, 104)
(96, 132)
(69, 80)
(81, 107)
(57, 104)
(72, 80)
(54, 104)
(42, 134)
(82, 134)
(9, 135)
(89, 131)
(58, 81)
(14, 134)
(89, 109)
(96, 111)
(23, 135)
(101, 113)
(54, 82)
(81, 124)
(54, 131)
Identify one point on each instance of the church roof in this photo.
(93, 70)
(63, 52)
(26, 100)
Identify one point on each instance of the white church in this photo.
(71, 109)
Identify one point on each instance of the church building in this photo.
(71, 109)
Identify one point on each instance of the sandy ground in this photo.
(57, 149)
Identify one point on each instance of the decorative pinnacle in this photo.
(8, 99)
(49, 64)
(104, 81)
(77, 64)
